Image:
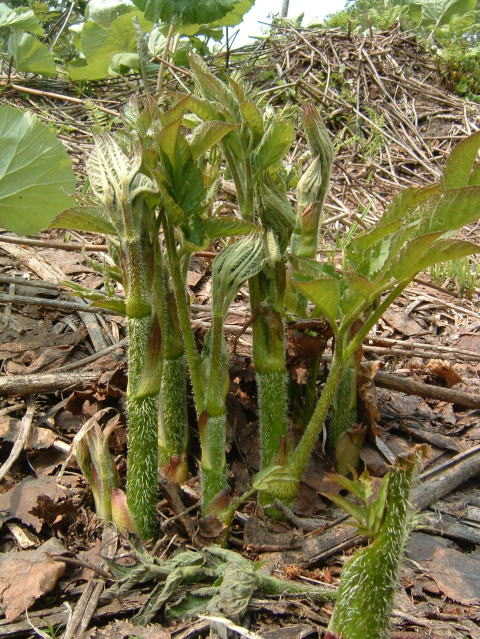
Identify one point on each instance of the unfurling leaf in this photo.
(233, 266)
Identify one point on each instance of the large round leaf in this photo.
(186, 11)
(35, 173)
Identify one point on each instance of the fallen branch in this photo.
(404, 385)
(45, 382)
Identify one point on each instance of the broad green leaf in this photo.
(362, 242)
(228, 226)
(446, 250)
(30, 55)
(325, 294)
(276, 141)
(253, 117)
(21, 18)
(436, 13)
(406, 202)
(359, 284)
(456, 208)
(309, 267)
(174, 212)
(212, 88)
(408, 261)
(230, 19)
(106, 11)
(186, 11)
(99, 44)
(475, 176)
(235, 15)
(83, 218)
(204, 109)
(461, 160)
(207, 135)
(35, 173)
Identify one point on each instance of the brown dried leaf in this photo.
(20, 500)
(457, 575)
(444, 371)
(402, 323)
(368, 413)
(26, 576)
(39, 437)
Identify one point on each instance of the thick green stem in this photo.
(343, 420)
(173, 423)
(173, 418)
(214, 465)
(193, 359)
(370, 578)
(270, 365)
(212, 432)
(142, 410)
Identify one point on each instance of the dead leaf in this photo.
(26, 576)
(20, 500)
(402, 323)
(259, 538)
(445, 372)
(39, 437)
(457, 575)
(41, 348)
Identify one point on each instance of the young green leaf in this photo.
(207, 135)
(253, 117)
(228, 226)
(276, 141)
(83, 218)
(325, 294)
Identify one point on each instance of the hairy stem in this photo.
(213, 431)
(173, 423)
(370, 578)
(142, 410)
